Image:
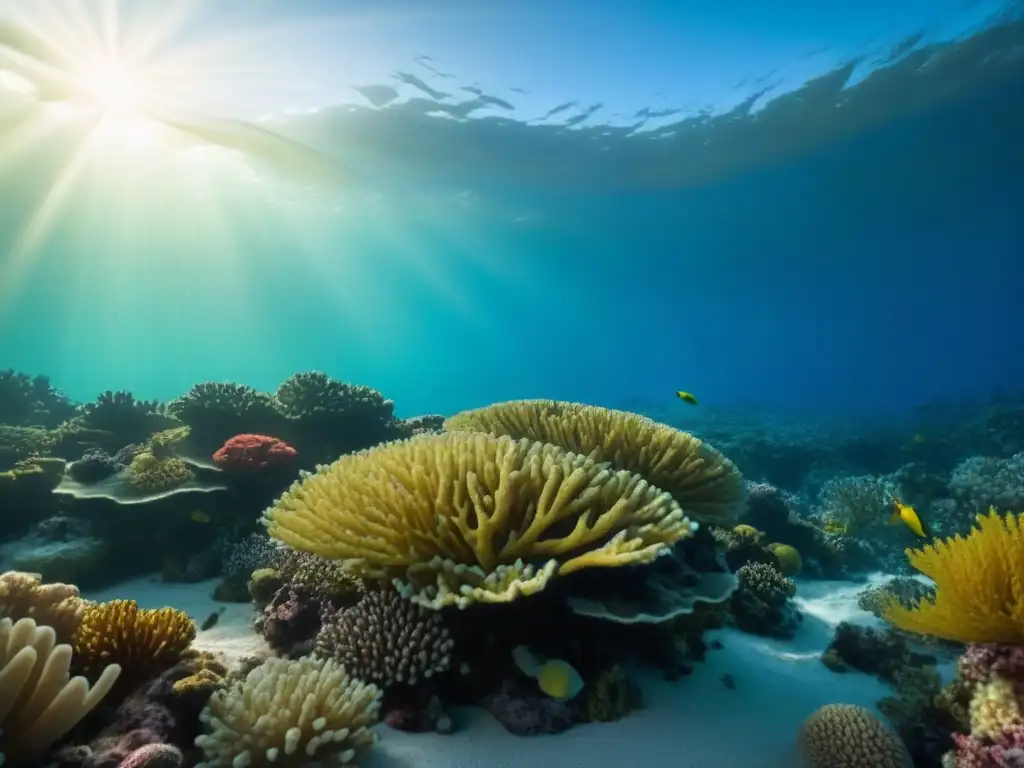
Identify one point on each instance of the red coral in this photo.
(253, 453)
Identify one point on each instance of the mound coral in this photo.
(289, 713)
(384, 639)
(39, 701)
(848, 736)
(143, 641)
(459, 518)
(58, 606)
(979, 584)
(254, 453)
(706, 484)
(790, 562)
(152, 475)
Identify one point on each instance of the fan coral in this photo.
(143, 641)
(979, 584)
(287, 713)
(385, 640)
(39, 701)
(460, 518)
(57, 606)
(152, 475)
(848, 736)
(254, 453)
(706, 484)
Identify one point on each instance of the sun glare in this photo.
(113, 87)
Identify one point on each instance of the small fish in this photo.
(198, 516)
(686, 397)
(555, 677)
(906, 514)
(210, 621)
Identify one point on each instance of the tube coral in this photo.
(459, 518)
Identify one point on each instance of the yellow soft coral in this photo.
(468, 517)
(706, 484)
(979, 584)
(994, 707)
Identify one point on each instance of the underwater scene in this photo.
(492, 385)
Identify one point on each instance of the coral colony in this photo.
(513, 557)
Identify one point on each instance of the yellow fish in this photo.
(906, 514)
(198, 516)
(555, 677)
(686, 397)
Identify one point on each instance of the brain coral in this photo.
(706, 484)
(459, 518)
(848, 736)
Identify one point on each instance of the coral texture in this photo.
(459, 518)
(253, 453)
(58, 606)
(289, 713)
(154, 756)
(152, 475)
(706, 484)
(848, 736)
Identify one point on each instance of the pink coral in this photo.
(1007, 751)
(981, 660)
(154, 756)
(254, 453)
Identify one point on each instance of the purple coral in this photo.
(154, 756)
(1006, 751)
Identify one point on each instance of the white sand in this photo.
(695, 722)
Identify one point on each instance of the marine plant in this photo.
(458, 518)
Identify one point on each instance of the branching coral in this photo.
(18, 443)
(23, 596)
(223, 406)
(857, 504)
(706, 484)
(143, 641)
(982, 481)
(979, 584)
(384, 639)
(31, 401)
(848, 736)
(152, 475)
(162, 444)
(314, 394)
(289, 713)
(120, 414)
(461, 518)
(39, 701)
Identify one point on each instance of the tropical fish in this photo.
(555, 677)
(686, 397)
(906, 514)
(198, 516)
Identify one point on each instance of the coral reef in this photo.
(58, 606)
(761, 602)
(254, 453)
(848, 736)
(150, 474)
(94, 466)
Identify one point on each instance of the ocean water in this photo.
(808, 217)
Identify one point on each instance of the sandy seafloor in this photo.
(695, 722)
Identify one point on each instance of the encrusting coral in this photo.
(289, 713)
(707, 486)
(23, 596)
(979, 584)
(848, 736)
(458, 518)
(39, 700)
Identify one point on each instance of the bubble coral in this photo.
(705, 483)
(254, 453)
(385, 639)
(143, 641)
(459, 518)
(152, 475)
(289, 713)
(848, 736)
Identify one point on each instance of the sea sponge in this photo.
(143, 641)
(979, 583)
(790, 562)
(288, 713)
(39, 701)
(706, 484)
(152, 475)
(459, 518)
(58, 606)
(385, 639)
(848, 736)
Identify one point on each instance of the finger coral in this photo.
(385, 639)
(848, 736)
(152, 475)
(459, 518)
(253, 453)
(39, 701)
(289, 713)
(143, 641)
(23, 596)
(979, 583)
(706, 484)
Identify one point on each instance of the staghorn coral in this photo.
(39, 701)
(979, 584)
(289, 713)
(254, 453)
(385, 639)
(152, 475)
(143, 641)
(848, 736)
(459, 518)
(706, 484)
(58, 606)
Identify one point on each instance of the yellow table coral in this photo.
(979, 584)
(468, 517)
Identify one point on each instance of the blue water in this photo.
(844, 243)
